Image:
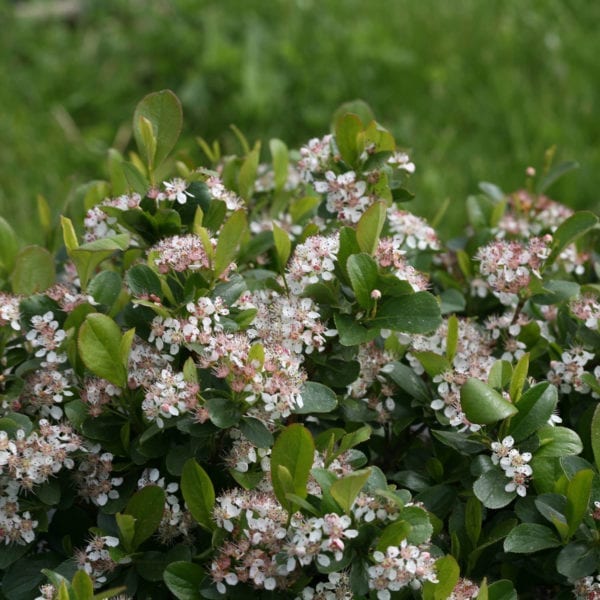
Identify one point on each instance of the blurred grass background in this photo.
(478, 90)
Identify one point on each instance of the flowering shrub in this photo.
(271, 381)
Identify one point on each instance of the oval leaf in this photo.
(184, 579)
(198, 493)
(294, 450)
(162, 110)
(527, 538)
(412, 313)
(99, 345)
(483, 404)
(33, 271)
(535, 407)
(146, 506)
(316, 398)
(345, 490)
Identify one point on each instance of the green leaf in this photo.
(393, 535)
(482, 404)
(294, 450)
(229, 240)
(528, 538)
(452, 338)
(473, 519)
(345, 490)
(10, 553)
(33, 271)
(148, 148)
(198, 493)
(433, 363)
(555, 291)
(354, 438)
(147, 507)
(9, 246)
(458, 441)
(448, 572)
(283, 245)
(489, 488)
(452, 301)
(421, 528)
(519, 377)
(362, 271)
(578, 498)
(118, 182)
(105, 288)
(500, 374)
(347, 128)
(595, 436)
(557, 441)
(280, 156)
(88, 256)
(99, 344)
(555, 173)
(369, 226)
(414, 313)
(126, 525)
(255, 431)
(350, 332)
(577, 560)
(316, 398)
(223, 412)
(535, 407)
(575, 226)
(407, 380)
(247, 174)
(502, 590)
(142, 281)
(163, 112)
(184, 579)
(136, 180)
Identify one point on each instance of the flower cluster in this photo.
(95, 558)
(587, 309)
(514, 464)
(10, 313)
(508, 266)
(587, 588)
(312, 261)
(100, 224)
(399, 567)
(94, 477)
(567, 373)
(180, 253)
(47, 337)
(412, 232)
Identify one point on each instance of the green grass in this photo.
(478, 90)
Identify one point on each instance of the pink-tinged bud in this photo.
(530, 172)
(375, 294)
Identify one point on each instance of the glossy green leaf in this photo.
(528, 538)
(136, 180)
(500, 374)
(414, 313)
(473, 519)
(577, 560)
(99, 346)
(280, 157)
(256, 432)
(574, 227)
(490, 489)
(105, 288)
(502, 590)
(147, 508)
(184, 580)
(363, 274)
(452, 338)
(283, 245)
(557, 441)
(347, 128)
(345, 489)
(248, 170)
(223, 412)
(198, 493)
(535, 408)
(143, 281)
(229, 241)
(519, 377)
(421, 528)
(126, 525)
(369, 226)
(483, 404)
(458, 441)
(350, 332)
(407, 380)
(294, 450)
(555, 291)
(578, 498)
(33, 271)
(163, 113)
(448, 572)
(393, 534)
(316, 398)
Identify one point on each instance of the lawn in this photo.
(476, 90)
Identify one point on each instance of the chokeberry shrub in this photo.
(271, 380)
